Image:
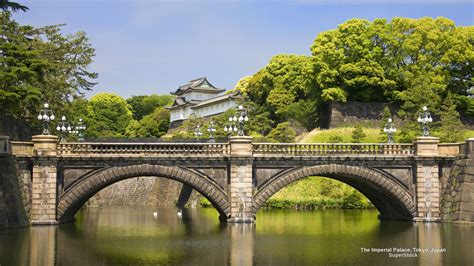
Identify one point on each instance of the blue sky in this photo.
(152, 46)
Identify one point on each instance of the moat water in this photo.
(134, 236)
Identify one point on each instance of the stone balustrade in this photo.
(452, 149)
(23, 148)
(93, 148)
(316, 149)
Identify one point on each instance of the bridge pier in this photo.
(241, 182)
(44, 187)
(427, 180)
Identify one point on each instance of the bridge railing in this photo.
(92, 148)
(452, 148)
(315, 149)
(22, 147)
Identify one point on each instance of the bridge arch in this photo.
(390, 197)
(76, 195)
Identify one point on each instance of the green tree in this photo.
(109, 116)
(242, 85)
(6, 5)
(143, 105)
(406, 60)
(70, 56)
(349, 61)
(155, 124)
(41, 64)
(285, 80)
(305, 112)
(358, 134)
(20, 70)
(283, 133)
(451, 129)
(259, 119)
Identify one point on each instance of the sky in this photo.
(153, 46)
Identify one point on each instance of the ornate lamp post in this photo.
(390, 130)
(424, 118)
(242, 118)
(63, 127)
(46, 115)
(197, 131)
(211, 128)
(231, 127)
(80, 127)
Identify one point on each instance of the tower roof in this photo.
(200, 84)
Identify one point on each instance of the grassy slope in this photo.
(469, 134)
(322, 136)
(317, 192)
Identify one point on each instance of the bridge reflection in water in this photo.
(125, 236)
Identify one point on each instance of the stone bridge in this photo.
(238, 177)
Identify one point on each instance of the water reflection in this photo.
(130, 235)
(241, 239)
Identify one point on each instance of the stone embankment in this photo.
(141, 191)
(12, 209)
(457, 202)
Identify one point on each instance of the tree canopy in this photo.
(408, 62)
(109, 115)
(143, 105)
(41, 65)
(5, 5)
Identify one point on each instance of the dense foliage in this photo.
(145, 104)
(408, 62)
(108, 115)
(41, 64)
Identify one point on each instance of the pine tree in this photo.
(451, 126)
(358, 134)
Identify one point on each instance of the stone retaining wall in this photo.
(12, 212)
(141, 191)
(351, 113)
(457, 201)
(369, 114)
